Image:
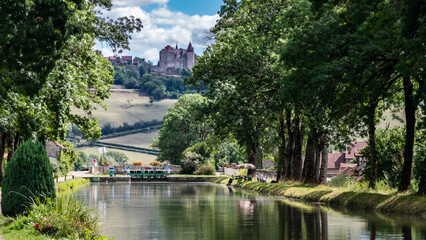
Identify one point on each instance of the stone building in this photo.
(172, 59)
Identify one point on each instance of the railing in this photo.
(149, 172)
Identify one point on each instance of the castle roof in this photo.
(190, 48)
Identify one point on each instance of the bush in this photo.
(190, 162)
(205, 170)
(28, 175)
(60, 218)
(117, 157)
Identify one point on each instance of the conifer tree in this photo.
(28, 176)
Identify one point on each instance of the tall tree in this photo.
(185, 124)
(50, 67)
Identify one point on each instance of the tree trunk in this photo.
(297, 160)
(2, 148)
(422, 184)
(410, 115)
(282, 159)
(372, 145)
(253, 153)
(324, 158)
(309, 165)
(290, 148)
(11, 141)
(317, 159)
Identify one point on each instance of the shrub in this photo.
(190, 162)
(205, 170)
(28, 175)
(117, 157)
(60, 218)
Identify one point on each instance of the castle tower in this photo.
(190, 56)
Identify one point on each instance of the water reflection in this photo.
(207, 211)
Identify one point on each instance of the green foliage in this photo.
(55, 167)
(390, 147)
(156, 86)
(108, 129)
(184, 125)
(71, 183)
(82, 162)
(203, 149)
(50, 67)
(190, 162)
(59, 218)
(118, 158)
(419, 152)
(205, 170)
(390, 144)
(229, 152)
(67, 158)
(28, 175)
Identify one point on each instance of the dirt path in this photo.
(75, 174)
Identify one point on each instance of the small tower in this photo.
(176, 46)
(190, 56)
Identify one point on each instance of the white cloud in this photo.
(162, 27)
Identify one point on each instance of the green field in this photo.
(138, 139)
(125, 105)
(133, 156)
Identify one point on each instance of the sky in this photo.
(165, 22)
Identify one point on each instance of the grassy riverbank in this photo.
(70, 184)
(29, 232)
(384, 203)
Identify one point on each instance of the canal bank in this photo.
(407, 204)
(129, 179)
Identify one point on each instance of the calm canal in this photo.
(211, 211)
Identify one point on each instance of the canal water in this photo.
(212, 211)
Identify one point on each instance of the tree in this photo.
(118, 157)
(50, 66)
(184, 125)
(28, 176)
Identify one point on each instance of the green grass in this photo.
(133, 156)
(70, 184)
(138, 140)
(129, 107)
(352, 198)
(191, 175)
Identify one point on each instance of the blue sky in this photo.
(166, 22)
(192, 7)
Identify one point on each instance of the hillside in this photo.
(126, 106)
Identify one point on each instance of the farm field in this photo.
(133, 156)
(138, 139)
(125, 105)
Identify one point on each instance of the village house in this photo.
(339, 161)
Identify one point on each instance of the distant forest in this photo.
(155, 86)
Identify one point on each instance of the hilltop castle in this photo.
(173, 58)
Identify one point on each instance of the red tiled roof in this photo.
(354, 148)
(343, 166)
(335, 159)
(127, 58)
